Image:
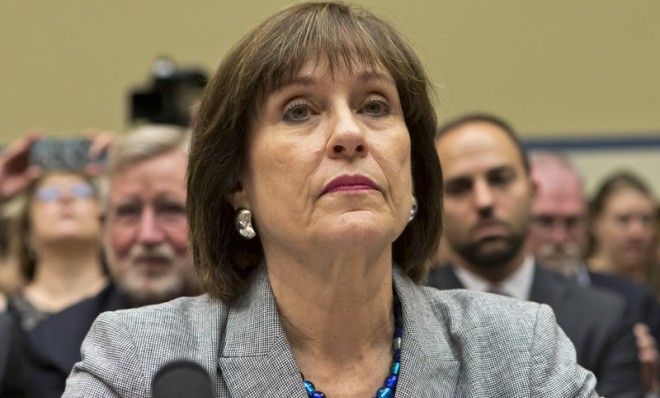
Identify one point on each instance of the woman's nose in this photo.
(65, 196)
(347, 137)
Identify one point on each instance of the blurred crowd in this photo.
(113, 234)
(80, 242)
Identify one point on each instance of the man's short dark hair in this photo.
(472, 118)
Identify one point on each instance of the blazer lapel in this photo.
(429, 365)
(255, 358)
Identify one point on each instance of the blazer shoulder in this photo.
(124, 349)
(499, 338)
(172, 314)
(464, 310)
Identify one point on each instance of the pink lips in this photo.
(349, 183)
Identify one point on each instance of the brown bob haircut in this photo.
(269, 57)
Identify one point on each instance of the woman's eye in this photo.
(297, 112)
(376, 107)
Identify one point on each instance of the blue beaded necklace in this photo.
(388, 388)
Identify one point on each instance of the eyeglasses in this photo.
(548, 222)
(53, 193)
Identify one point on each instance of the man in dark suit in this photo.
(558, 239)
(487, 203)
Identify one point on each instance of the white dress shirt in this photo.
(518, 284)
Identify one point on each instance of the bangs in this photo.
(337, 37)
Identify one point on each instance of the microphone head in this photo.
(182, 379)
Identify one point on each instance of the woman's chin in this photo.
(360, 230)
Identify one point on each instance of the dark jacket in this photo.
(52, 347)
(596, 321)
(641, 302)
(11, 382)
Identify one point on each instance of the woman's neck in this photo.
(598, 262)
(338, 318)
(64, 277)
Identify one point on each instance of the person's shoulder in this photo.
(468, 311)
(584, 298)
(630, 289)
(597, 298)
(125, 348)
(506, 346)
(175, 316)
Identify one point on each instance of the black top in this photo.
(51, 347)
(640, 300)
(11, 383)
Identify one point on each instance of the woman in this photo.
(623, 227)
(314, 206)
(60, 255)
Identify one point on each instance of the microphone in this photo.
(182, 379)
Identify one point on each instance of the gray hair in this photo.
(141, 144)
(541, 159)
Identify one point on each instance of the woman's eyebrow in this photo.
(366, 76)
(301, 81)
(375, 75)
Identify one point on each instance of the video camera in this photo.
(169, 96)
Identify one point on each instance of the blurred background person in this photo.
(60, 256)
(558, 234)
(15, 175)
(11, 277)
(62, 229)
(622, 218)
(654, 271)
(145, 230)
(487, 203)
(558, 239)
(11, 377)
(16, 172)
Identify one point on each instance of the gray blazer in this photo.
(455, 344)
(594, 320)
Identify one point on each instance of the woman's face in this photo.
(329, 162)
(64, 206)
(626, 228)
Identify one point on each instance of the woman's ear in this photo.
(239, 197)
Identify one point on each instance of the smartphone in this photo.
(60, 154)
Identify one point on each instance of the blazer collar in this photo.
(256, 359)
(429, 362)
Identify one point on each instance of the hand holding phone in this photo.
(16, 171)
(55, 154)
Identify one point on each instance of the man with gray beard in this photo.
(558, 235)
(487, 203)
(145, 230)
(558, 238)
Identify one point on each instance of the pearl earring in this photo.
(413, 209)
(244, 224)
